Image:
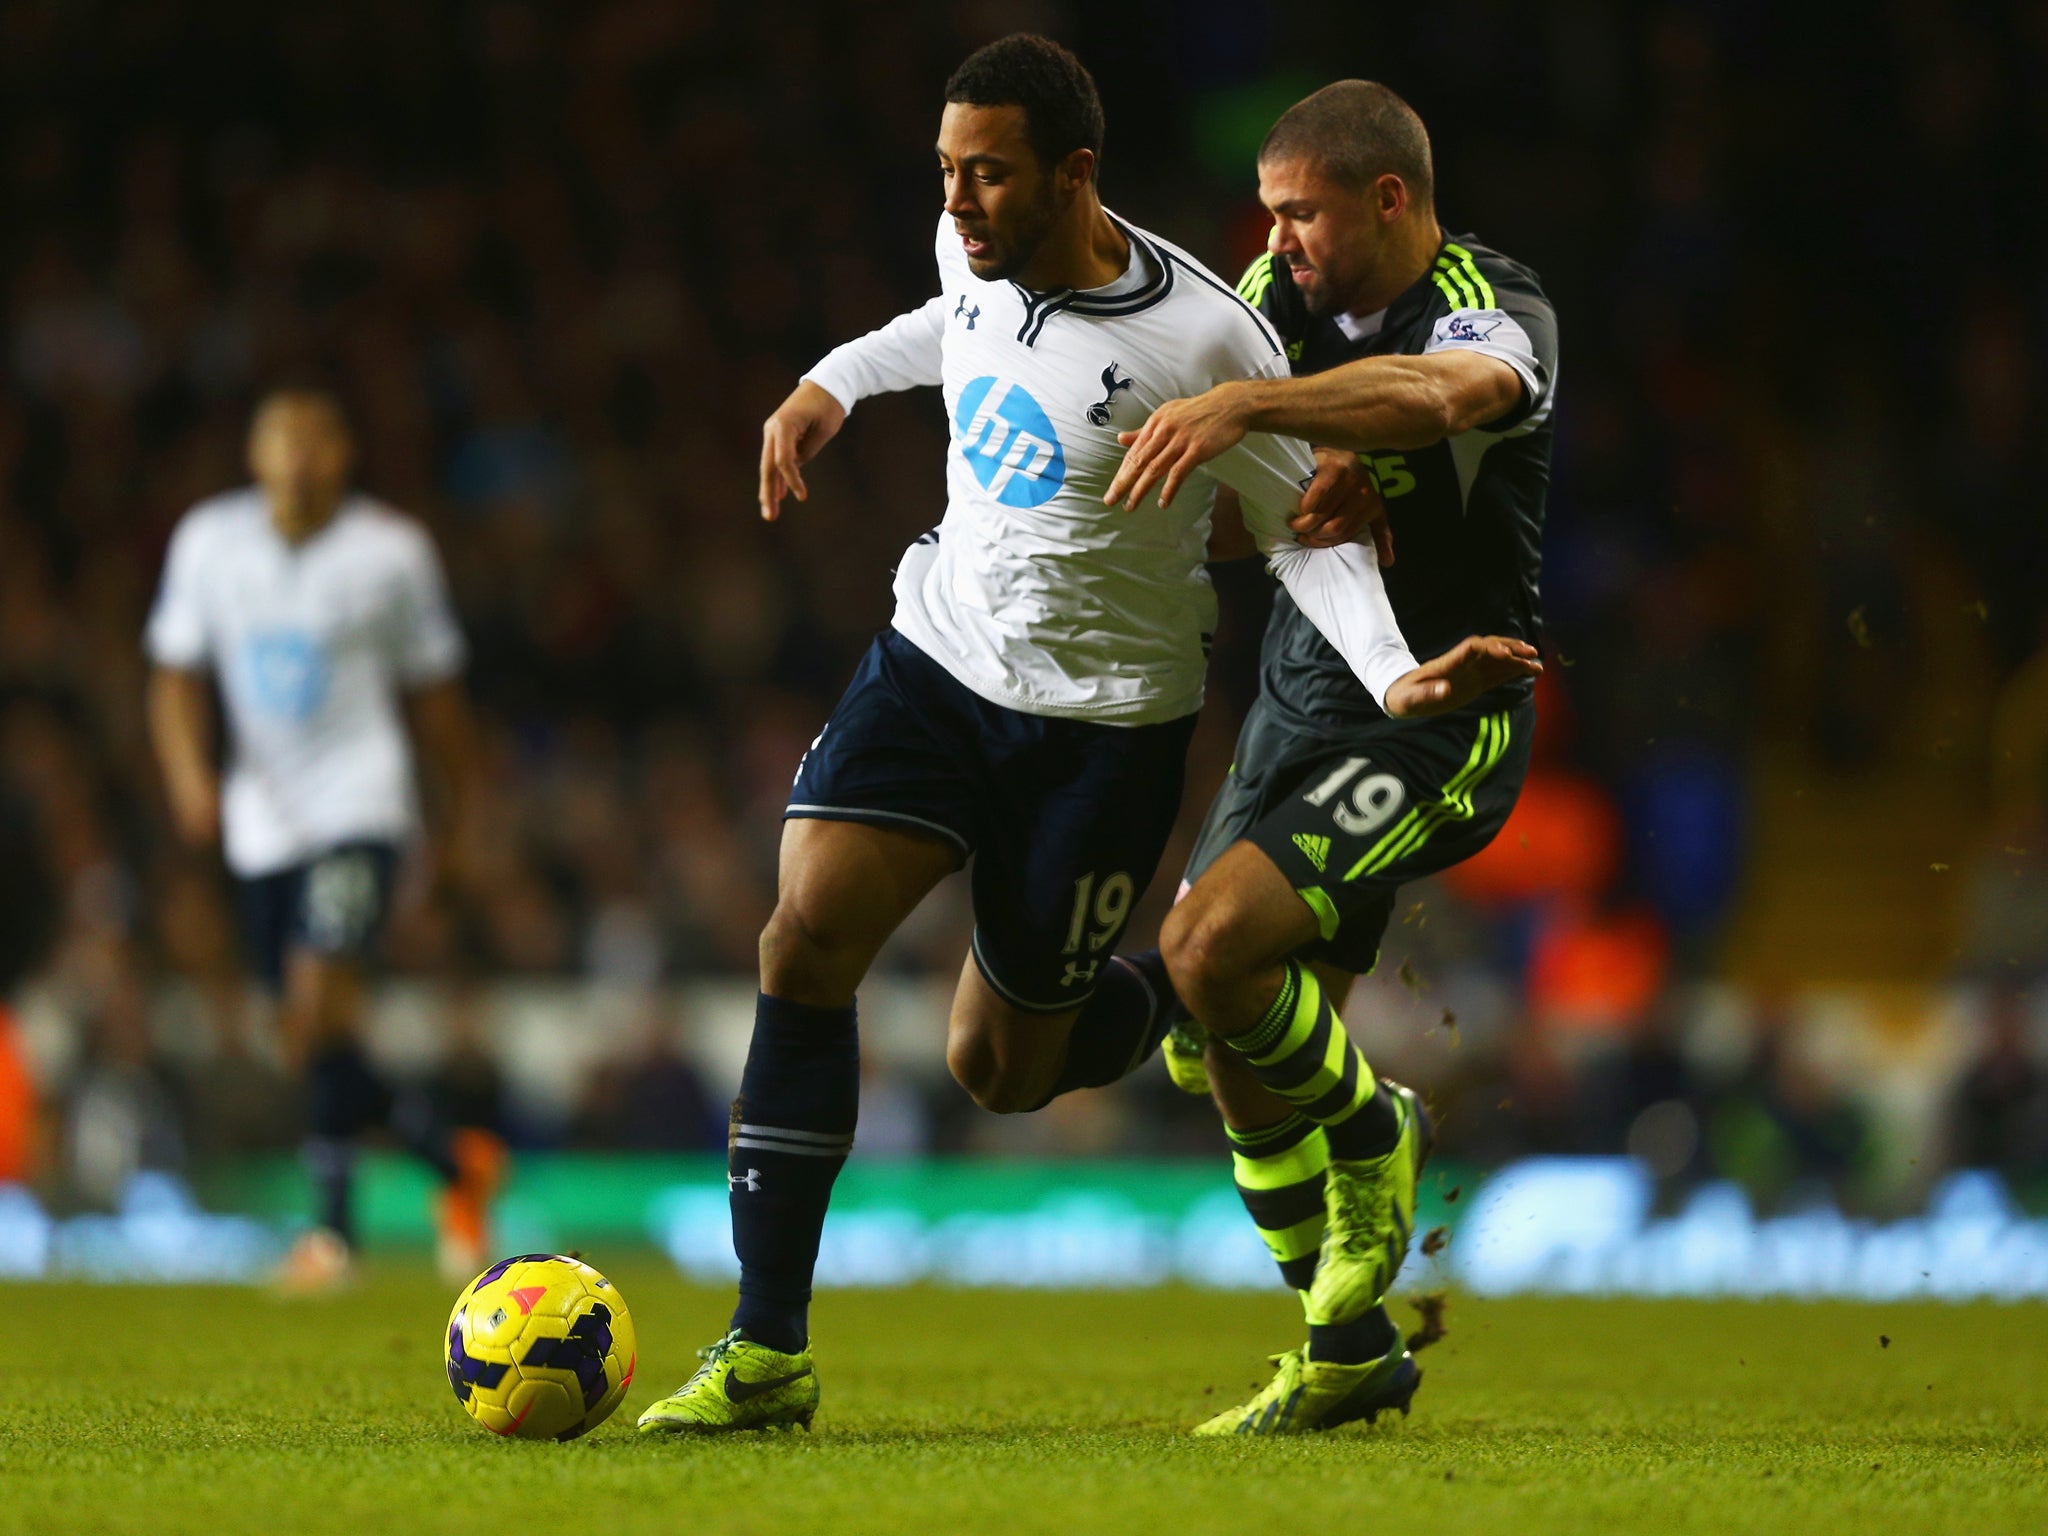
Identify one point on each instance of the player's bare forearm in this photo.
(441, 724)
(1475, 665)
(181, 729)
(1373, 403)
(800, 427)
(1382, 402)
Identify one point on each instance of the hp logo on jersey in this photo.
(1009, 443)
(286, 673)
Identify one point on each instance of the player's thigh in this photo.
(843, 887)
(335, 910)
(1005, 1056)
(1077, 826)
(882, 809)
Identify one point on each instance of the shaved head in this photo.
(1355, 132)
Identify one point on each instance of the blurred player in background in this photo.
(1031, 705)
(322, 618)
(1435, 359)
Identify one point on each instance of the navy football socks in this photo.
(346, 1096)
(1365, 1338)
(792, 1127)
(1120, 1026)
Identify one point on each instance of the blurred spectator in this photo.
(19, 1126)
(1999, 1115)
(1784, 1131)
(123, 1115)
(652, 1099)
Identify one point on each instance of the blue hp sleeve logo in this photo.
(1009, 443)
(286, 673)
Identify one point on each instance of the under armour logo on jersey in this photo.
(1009, 442)
(971, 315)
(1098, 413)
(1082, 971)
(750, 1181)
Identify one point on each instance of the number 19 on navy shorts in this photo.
(1065, 819)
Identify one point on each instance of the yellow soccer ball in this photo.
(541, 1347)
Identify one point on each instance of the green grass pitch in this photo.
(222, 1411)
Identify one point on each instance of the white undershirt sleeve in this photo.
(900, 355)
(1339, 589)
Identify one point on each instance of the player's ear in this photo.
(1076, 171)
(1390, 197)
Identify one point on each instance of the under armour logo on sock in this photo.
(750, 1181)
(1083, 972)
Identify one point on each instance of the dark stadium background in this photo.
(1776, 908)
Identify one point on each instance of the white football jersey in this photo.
(313, 645)
(1033, 593)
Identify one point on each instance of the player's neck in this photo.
(1409, 253)
(1084, 250)
(298, 520)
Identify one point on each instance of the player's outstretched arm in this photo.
(1403, 402)
(181, 726)
(1475, 665)
(802, 425)
(442, 724)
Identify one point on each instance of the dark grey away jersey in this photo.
(1466, 513)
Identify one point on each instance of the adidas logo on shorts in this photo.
(1317, 849)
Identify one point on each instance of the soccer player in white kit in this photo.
(1031, 704)
(323, 619)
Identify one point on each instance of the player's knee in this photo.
(801, 955)
(1202, 945)
(1189, 944)
(996, 1085)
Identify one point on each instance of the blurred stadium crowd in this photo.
(560, 260)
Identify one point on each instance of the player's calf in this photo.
(1013, 1060)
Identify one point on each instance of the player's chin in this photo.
(992, 265)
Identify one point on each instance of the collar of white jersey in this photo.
(1158, 283)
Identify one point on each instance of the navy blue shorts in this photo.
(1065, 819)
(334, 905)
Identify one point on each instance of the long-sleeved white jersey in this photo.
(1033, 593)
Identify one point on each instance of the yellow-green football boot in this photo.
(1307, 1395)
(1183, 1050)
(740, 1385)
(1369, 1206)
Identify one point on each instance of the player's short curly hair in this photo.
(1062, 112)
(1355, 132)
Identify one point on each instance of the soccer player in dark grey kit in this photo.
(1434, 358)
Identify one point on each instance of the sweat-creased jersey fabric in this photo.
(1031, 592)
(1466, 513)
(313, 644)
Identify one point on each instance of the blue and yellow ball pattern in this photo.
(540, 1347)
